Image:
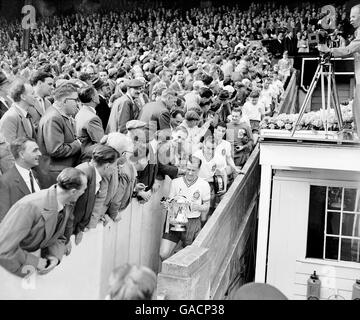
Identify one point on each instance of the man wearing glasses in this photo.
(57, 138)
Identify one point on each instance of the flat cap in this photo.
(135, 124)
(134, 83)
(98, 83)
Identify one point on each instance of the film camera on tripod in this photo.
(324, 71)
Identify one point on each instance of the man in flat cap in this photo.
(124, 108)
(156, 114)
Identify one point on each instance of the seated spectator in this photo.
(240, 136)
(303, 44)
(20, 180)
(21, 235)
(130, 282)
(197, 191)
(89, 128)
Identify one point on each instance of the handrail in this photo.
(289, 96)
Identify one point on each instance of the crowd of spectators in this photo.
(104, 106)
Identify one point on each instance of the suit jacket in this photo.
(12, 189)
(103, 111)
(81, 213)
(156, 116)
(30, 225)
(36, 112)
(57, 143)
(4, 106)
(122, 111)
(14, 125)
(290, 45)
(6, 158)
(89, 130)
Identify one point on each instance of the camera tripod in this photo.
(324, 68)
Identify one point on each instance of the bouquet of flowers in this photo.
(314, 120)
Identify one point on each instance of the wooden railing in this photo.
(288, 100)
(208, 268)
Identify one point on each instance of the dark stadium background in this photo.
(12, 8)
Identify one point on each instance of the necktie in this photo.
(28, 116)
(61, 217)
(32, 182)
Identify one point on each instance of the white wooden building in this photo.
(309, 213)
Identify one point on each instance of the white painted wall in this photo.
(288, 269)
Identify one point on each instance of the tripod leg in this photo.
(335, 98)
(307, 97)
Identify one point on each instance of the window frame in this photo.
(344, 184)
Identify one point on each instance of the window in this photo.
(334, 223)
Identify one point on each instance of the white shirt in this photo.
(42, 103)
(25, 174)
(192, 99)
(98, 179)
(197, 192)
(208, 167)
(223, 150)
(254, 112)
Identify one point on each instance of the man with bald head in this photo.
(353, 49)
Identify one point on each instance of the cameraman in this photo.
(353, 49)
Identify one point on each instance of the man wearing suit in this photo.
(20, 180)
(290, 44)
(16, 122)
(6, 158)
(89, 208)
(102, 107)
(124, 108)
(38, 221)
(5, 102)
(156, 114)
(89, 128)
(278, 46)
(56, 138)
(43, 84)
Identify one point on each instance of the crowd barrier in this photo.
(85, 272)
(289, 99)
(207, 268)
